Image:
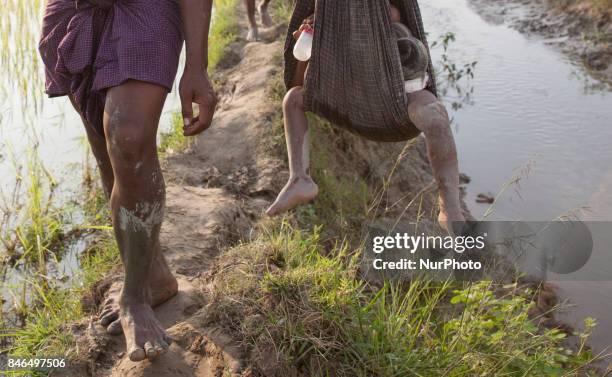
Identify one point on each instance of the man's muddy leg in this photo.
(300, 188)
(131, 117)
(253, 33)
(266, 20)
(430, 117)
(163, 284)
(97, 143)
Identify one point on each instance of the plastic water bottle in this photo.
(303, 47)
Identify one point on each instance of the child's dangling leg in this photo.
(429, 116)
(300, 188)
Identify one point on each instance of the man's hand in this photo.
(195, 87)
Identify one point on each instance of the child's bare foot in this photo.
(266, 20)
(253, 34)
(145, 337)
(163, 287)
(452, 221)
(299, 190)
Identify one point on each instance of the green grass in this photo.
(224, 31)
(44, 332)
(295, 296)
(40, 226)
(282, 10)
(289, 294)
(30, 226)
(52, 305)
(19, 31)
(32, 230)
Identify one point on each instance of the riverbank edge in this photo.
(577, 28)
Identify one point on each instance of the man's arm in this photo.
(195, 86)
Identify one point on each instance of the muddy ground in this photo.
(217, 192)
(572, 27)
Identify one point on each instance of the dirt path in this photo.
(572, 28)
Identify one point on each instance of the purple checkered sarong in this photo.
(87, 49)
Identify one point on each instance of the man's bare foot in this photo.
(253, 34)
(266, 20)
(163, 288)
(452, 221)
(299, 190)
(145, 337)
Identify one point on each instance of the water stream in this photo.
(537, 115)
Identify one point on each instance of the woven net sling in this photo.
(354, 76)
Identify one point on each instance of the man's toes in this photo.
(108, 316)
(115, 328)
(161, 347)
(150, 351)
(137, 354)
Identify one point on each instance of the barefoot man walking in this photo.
(116, 60)
(266, 20)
